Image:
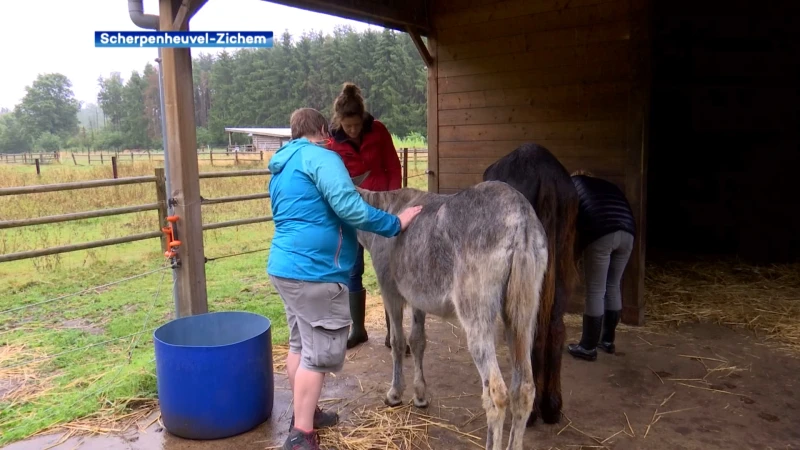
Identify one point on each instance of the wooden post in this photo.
(74, 160)
(433, 114)
(211, 157)
(131, 156)
(101, 159)
(114, 167)
(38, 171)
(161, 197)
(633, 305)
(405, 167)
(184, 192)
(235, 158)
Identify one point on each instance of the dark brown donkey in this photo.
(545, 182)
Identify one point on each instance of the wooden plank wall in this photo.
(267, 143)
(550, 71)
(568, 74)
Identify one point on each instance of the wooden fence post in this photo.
(101, 159)
(38, 171)
(405, 167)
(236, 158)
(211, 157)
(114, 167)
(161, 198)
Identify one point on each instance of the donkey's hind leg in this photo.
(523, 390)
(480, 340)
(418, 342)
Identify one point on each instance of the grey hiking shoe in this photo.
(299, 440)
(322, 419)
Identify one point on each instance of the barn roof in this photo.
(272, 132)
(401, 15)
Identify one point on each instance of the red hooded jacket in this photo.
(376, 154)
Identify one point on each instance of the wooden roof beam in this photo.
(395, 14)
(186, 11)
(421, 48)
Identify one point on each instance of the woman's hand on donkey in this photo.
(408, 215)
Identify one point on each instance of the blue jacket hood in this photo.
(278, 161)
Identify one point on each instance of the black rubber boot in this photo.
(358, 308)
(388, 341)
(610, 322)
(587, 347)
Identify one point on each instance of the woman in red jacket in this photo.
(367, 148)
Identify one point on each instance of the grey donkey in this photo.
(471, 255)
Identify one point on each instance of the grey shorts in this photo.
(318, 316)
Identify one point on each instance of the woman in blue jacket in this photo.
(316, 210)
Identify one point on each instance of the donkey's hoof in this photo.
(550, 409)
(421, 403)
(392, 400)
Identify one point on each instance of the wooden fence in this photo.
(212, 157)
(159, 183)
(220, 157)
(29, 158)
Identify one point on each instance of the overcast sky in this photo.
(44, 36)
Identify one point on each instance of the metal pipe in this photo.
(139, 18)
(152, 22)
(168, 183)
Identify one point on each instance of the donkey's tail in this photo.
(528, 266)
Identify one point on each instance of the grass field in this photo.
(91, 355)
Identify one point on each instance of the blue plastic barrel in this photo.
(214, 374)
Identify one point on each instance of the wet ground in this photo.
(704, 387)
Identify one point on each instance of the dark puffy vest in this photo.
(603, 209)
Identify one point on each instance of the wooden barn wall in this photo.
(567, 74)
(725, 146)
(551, 71)
(267, 143)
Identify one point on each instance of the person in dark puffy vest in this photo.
(606, 230)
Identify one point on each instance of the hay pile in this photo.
(20, 384)
(764, 300)
(380, 427)
(122, 416)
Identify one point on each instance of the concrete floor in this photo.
(750, 404)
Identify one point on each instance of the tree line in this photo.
(244, 88)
